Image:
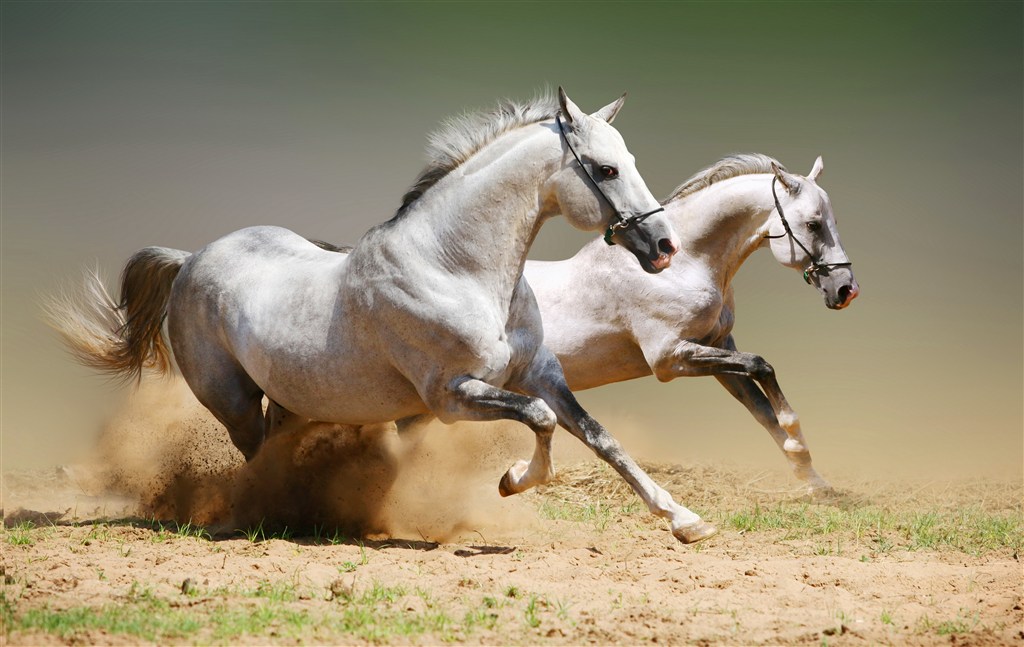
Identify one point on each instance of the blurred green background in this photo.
(129, 124)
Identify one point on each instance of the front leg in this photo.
(747, 392)
(468, 398)
(740, 374)
(545, 379)
(690, 359)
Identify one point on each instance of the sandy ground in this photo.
(575, 562)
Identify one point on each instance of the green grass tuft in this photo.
(971, 531)
(21, 534)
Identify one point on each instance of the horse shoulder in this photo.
(579, 302)
(440, 325)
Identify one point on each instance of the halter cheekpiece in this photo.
(815, 267)
(621, 223)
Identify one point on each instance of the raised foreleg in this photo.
(468, 398)
(546, 380)
(751, 380)
(690, 359)
(223, 388)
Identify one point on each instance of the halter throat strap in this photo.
(816, 267)
(621, 222)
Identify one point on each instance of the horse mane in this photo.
(331, 247)
(726, 168)
(459, 138)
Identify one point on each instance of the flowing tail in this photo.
(122, 338)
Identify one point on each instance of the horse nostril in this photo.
(847, 293)
(665, 246)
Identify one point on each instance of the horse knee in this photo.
(539, 417)
(760, 369)
(667, 368)
(603, 444)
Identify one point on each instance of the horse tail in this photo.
(121, 338)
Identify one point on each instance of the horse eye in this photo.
(609, 172)
(814, 225)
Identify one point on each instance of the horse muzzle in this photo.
(839, 294)
(651, 241)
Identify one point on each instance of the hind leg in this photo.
(228, 392)
(210, 368)
(241, 412)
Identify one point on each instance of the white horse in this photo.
(427, 316)
(607, 322)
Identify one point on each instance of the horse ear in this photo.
(570, 111)
(785, 179)
(816, 170)
(607, 113)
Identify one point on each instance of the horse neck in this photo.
(722, 225)
(482, 218)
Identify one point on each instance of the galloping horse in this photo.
(426, 317)
(680, 322)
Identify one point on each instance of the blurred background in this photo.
(133, 124)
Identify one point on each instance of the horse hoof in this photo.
(505, 485)
(513, 481)
(696, 532)
(822, 492)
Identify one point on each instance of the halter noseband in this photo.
(815, 267)
(621, 223)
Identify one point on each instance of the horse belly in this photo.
(352, 394)
(327, 367)
(260, 309)
(596, 360)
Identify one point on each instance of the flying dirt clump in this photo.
(167, 452)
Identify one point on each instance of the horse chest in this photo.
(712, 321)
(696, 312)
(722, 329)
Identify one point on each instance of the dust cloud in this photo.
(166, 452)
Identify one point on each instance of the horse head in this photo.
(599, 186)
(805, 236)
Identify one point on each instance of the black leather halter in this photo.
(621, 223)
(816, 267)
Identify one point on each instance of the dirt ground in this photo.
(336, 538)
